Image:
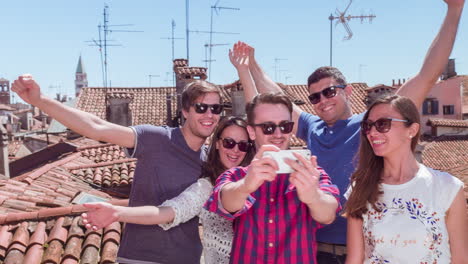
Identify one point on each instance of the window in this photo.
(449, 109)
(431, 107)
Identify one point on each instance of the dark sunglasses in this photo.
(215, 109)
(268, 128)
(382, 125)
(230, 143)
(327, 92)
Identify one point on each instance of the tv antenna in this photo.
(343, 19)
(209, 46)
(217, 9)
(277, 67)
(104, 31)
(172, 38)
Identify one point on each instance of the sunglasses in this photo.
(268, 128)
(230, 143)
(327, 92)
(215, 109)
(382, 125)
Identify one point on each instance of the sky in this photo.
(291, 39)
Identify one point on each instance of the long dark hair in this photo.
(367, 177)
(213, 166)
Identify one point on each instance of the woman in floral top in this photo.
(399, 210)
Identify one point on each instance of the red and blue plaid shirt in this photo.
(274, 226)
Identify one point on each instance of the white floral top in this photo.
(217, 231)
(411, 225)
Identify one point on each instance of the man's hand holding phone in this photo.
(305, 178)
(261, 169)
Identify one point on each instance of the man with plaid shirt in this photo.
(275, 215)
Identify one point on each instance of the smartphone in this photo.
(282, 154)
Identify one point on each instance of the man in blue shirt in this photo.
(333, 134)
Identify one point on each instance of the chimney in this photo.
(393, 82)
(449, 70)
(118, 108)
(238, 103)
(399, 82)
(4, 162)
(184, 75)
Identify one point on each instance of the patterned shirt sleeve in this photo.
(188, 204)
(327, 186)
(214, 202)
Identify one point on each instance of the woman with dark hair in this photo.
(400, 211)
(230, 147)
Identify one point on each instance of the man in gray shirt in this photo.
(169, 160)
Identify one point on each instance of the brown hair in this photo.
(267, 98)
(366, 180)
(213, 166)
(326, 72)
(194, 90)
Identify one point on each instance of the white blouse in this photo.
(217, 231)
(411, 228)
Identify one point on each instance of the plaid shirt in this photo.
(274, 226)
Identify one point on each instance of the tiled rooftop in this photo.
(447, 122)
(448, 153)
(39, 221)
(192, 71)
(147, 107)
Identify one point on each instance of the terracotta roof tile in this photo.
(447, 122)
(180, 63)
(147, 107)
(447, 153)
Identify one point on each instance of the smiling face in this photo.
(335, 108)
(232, 157)
(275, 113)
(397, 140)
(202, 125)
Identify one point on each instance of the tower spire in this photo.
(81, 80)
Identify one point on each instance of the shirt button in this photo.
(272, 200)
(270, 244)
(331, 131)
(270, 221)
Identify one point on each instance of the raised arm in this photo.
(437, 56)
(265, 84)
(239, 58)
(79, 121)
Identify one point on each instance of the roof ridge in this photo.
(28, 177)
(101, 164)
(45, 213)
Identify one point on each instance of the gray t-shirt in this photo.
(166, 166)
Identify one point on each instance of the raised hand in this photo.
(100, 215)
(239, 56)
(27, 89)
(305, 177)
(261, 169)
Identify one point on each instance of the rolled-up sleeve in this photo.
(326, 185)
(214, 204)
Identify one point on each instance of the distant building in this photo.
(4, 91)
(81, 79)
